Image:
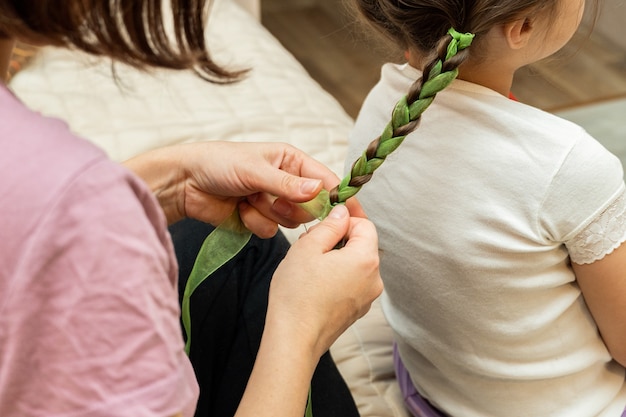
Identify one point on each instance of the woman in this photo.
(90, 317)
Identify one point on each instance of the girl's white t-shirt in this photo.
(478, 212)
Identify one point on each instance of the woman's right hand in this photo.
(321, 291)
(316, 293)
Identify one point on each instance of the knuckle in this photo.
(287, 183)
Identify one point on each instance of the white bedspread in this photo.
(277, 101)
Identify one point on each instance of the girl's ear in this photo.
(517, 33)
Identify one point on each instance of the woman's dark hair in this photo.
(142, 33)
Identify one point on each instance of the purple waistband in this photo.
(417, 405)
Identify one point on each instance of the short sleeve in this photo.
(93, 314)
(587, 182)
(602, 236)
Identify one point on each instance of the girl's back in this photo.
(476, 213)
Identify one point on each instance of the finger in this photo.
(355, 208)
(288, 212)
(279, 210)
(291, 187)
(256, 222)
(209, 209)
(299, 163)
(330, 230)
(292, 175)
(362, 236)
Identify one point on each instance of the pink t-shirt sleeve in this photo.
(91, 317)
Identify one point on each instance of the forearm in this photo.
(162, 171)
(280, 381)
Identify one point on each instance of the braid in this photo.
(437, 75)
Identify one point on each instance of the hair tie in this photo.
(459, 42)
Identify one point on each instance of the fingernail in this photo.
(309, 186)
(338, 212)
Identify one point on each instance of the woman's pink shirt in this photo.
(89, 313)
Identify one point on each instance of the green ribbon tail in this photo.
(219, 247)
(222, 245)
(309, 406)
(318, 207)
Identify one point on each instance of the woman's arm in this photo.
(208, 180)
(315, 294)
(280, 380)
(603, 284)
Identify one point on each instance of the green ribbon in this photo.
(309, 406)
(404, 119)
(319, 207)
(459, 41)
(219, 247)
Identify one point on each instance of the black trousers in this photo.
(227, 318)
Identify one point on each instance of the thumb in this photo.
(290, 187)
(332, 229)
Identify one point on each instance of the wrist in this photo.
(295, 335)
(161, 169)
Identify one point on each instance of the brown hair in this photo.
(430, 28)
(134, 32)
(421, 24)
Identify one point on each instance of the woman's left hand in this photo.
(208, 180)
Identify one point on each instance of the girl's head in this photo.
(141, 33)
(420, 25)
(511, 33)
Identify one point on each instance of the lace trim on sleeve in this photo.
(602, 236)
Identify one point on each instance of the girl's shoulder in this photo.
(469, 100)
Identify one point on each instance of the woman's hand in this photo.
(321, 290)
(208, 180)
(316, 293)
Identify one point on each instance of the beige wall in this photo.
(612, 22)
(253, 6)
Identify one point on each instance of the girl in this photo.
(90, 321)
(502, 226)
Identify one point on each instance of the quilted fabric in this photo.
(364, 356)
(277, 101)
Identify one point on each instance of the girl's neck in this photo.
(6, 50)
(498, 80)
(494, 77)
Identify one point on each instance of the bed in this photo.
(277, 101)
